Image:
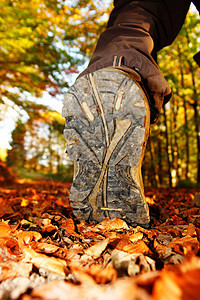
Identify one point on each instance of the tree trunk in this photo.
(186, 121)
(196, 121)
(196, 114)
(160, 170)
(176, 152)
(155, 175)
(167, 148)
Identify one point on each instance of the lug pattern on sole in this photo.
(107, 121)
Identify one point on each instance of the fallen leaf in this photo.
(191, 230)
(26, 237)
(138, 247)
(69, 227)
(131, 264)
(82, 277)
(163, 251)
(52, 264)
(121, 289)
(10, 246)
(111, 224)
(196, 200)
(179, 283)
(136, 237)
(186, 245)
(46, 248)
(5, 229)
(14, 269)
(166, 288)
(14, 288)
(103, 276)
(96, 250)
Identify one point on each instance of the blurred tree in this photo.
(178, 126)
(39, 146)
(42, 41)
(17, 155)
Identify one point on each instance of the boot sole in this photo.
(107, 126)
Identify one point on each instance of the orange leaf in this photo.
(52, 264)
(138, 247)
(186, 245)
(13, 269)
(46, 248)
(112, 224)
(5, 229)
(96, 250)
(26, 237)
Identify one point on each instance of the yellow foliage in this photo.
(3, 154)
(52, 116)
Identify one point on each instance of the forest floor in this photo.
(45, 253)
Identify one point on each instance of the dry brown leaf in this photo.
(5, 229)
(173, 238)
(102, 276)
(26, 237)
(69, 227)
(26, 297)
(111, 224)
(165, 288)
(186, 245)
(164, 238)
(9, 248)
(74, 253)
(113, 236)
(191, 264)
(138, 247)
(92, 236)
(147, 279)
(179, 283)
(45, 222)
(46, 248)
(52, 264)
(190, 211)
(174, 232)
(49, 228)
(122, 242)
(191, 230)
(149, 232)
(96, 250)
(136, 237)
(82, 277)
(12, 269)
(5, 208)
(163, 251)
(131, 264)
(63, 202)
(196, 200)
(121, 289)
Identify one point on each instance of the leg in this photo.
(107, 121)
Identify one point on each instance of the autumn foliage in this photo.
(45, 253)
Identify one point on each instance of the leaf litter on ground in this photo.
(46, 253)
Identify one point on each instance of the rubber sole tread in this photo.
(107, 126)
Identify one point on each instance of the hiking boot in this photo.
(107, 127)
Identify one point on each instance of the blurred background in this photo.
(44, 44)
